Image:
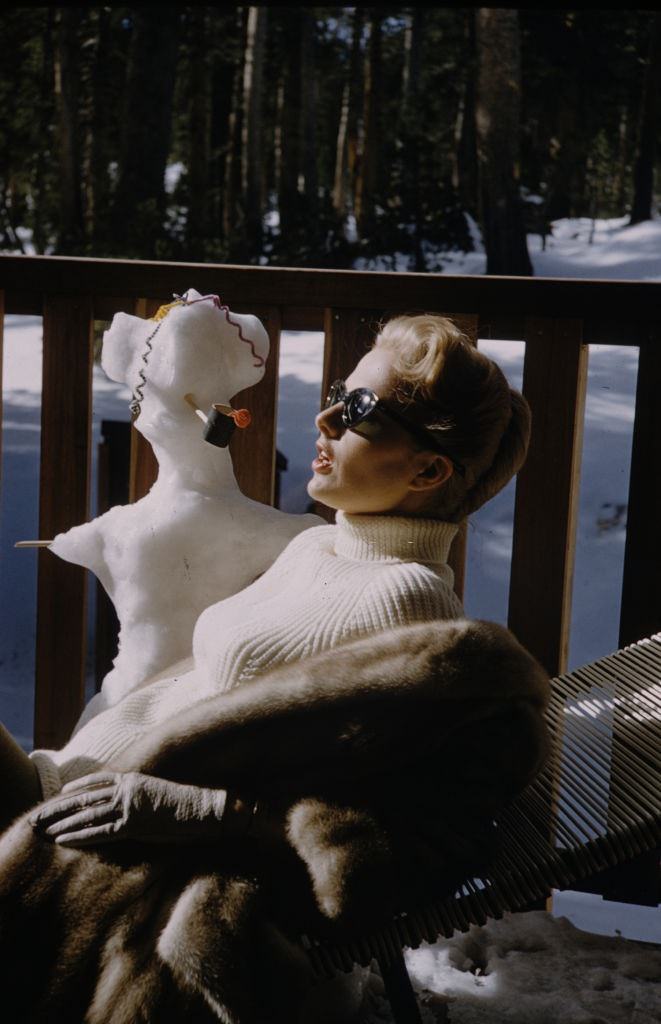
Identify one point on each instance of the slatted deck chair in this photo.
(596, 804)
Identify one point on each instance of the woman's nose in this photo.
(329, 421)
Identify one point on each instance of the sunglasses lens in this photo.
(336, 393)
(358, 405)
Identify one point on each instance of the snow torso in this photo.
(330, 585)
(166, 558)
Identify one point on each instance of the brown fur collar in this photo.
(386, 756)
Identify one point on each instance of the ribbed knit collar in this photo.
(392, 538)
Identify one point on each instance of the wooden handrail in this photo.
(557, 318)
(66, 417)
(502, 302)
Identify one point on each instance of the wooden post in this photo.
(640, 614)
(253, 449)
(143, 468)
(113, 460)
(66, 414)
(458, 548)
(554, 382)
(2, 328)
(400, 992)
(348, 335)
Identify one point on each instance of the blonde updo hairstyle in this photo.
(462, 396)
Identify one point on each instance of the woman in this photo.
(423, 432)
(446, 434)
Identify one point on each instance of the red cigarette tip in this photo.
(242, 417)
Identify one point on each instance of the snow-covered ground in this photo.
(577, 247)
(534, 967)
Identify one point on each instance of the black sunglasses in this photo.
(361, 403)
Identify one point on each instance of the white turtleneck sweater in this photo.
(331, 584)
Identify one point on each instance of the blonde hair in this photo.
(463, 398)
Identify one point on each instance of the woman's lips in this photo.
(322, 464)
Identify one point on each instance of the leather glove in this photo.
(111, 806)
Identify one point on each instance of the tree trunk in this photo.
(621, 176)
(464, 167)
(199, 150)
(367, 182)
(346, 159)
(277, 134)
(290, 128)
(339, 194)
(497, 123)
(309, 118)
(96, 148)
(40, 233)
(570, 133)
(222, 75)
(643, 176)
(232, 207)
(139, 205)
(251, 134)
(409, 130)
(71, 233)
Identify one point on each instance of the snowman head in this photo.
(195, 346)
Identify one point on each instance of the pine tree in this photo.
(366, 187)
(139, 202)
(198, 156)
(498, 126)
(67, 84)
(252, 187)
(648, 128)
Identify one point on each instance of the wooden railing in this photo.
(557, 319)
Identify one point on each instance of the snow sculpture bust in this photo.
(194, 538)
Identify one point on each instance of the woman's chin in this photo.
(317, 491)
(313, 488)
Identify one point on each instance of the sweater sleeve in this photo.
(48, 771)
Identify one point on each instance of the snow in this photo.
(576, 247)
(195, 533)
(173, 173)
(533, 967)
(571, 966)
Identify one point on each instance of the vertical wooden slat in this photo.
(66, 414)
(348, 335)
(113, 460)
(2, 329)
(640, 613)
(457, 555)
(253, 449)
(554, 381)
(143, 467)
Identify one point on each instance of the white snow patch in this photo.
(474, 232)
(351, 229)
(173, 173)
(534, 968)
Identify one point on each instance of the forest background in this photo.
(322, 136)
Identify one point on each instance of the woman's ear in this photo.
(433, 472)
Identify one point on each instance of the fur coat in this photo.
(387, 759)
